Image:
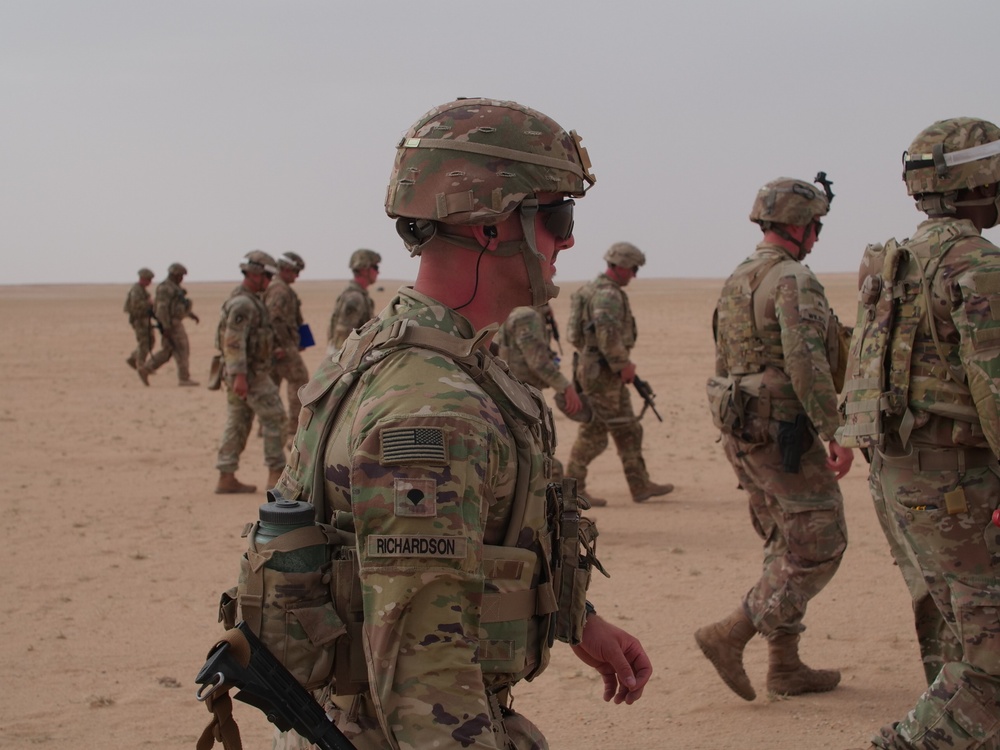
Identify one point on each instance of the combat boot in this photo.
(651, 489)
(786, 675)
(188, 382)
(230, 485)
(273, 475)
(593, 502)
(723, 643)
(143, 375)
(131, 361)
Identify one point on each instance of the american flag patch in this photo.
(403, 445)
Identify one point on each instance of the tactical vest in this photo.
(897, 363)
(746, 346)
(261, 338)
(580, 327)
(521, 610)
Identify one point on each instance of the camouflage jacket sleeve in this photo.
(430, 455)
(240, 318)
(349, 313)
(975, 296)
(280, 302)
(610, 316)
(530, 336)
(804, 315)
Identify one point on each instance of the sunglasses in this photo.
(558, 218)
(374, 268)
(268, 274)
(819, 226)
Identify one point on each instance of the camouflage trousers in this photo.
(143, 340)
(263, 400)
(939, 527)
(612, 407)
(355, 717)
(800, 517)
(174, 344)
(293, 371)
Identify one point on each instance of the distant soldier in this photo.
(603, 330)
(172, 306)
(524, 341)
(139, 306)
(285, 308)
(774, 397)
(246, 342)
(354, 307)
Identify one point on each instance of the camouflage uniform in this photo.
(934, 434)
(353, 308)
(245, 339)
(524, 342)
(609, 335)
(285, 309)
(800, 516)
(419, 450)
(139, 305)
(171, 307)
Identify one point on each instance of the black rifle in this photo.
(550, 320)
(645, 391)
(162, 329)
(243, 662)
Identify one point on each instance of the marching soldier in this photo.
(172, 306)
(139, 306)
(285, 309)
(354, 307)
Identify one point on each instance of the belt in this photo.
(942, 459)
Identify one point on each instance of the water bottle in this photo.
(279, 516)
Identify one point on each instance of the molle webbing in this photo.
(749, 346)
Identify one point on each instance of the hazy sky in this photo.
(141, 132)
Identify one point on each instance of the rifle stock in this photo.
(645, 391)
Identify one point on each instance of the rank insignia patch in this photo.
(410, 445)
(416, 498)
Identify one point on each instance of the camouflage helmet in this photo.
(176, 269)
(625, 254)
(291, 260)
(145, 273)
(362, 259)
(788, 201)
(257, 261)
(473, 161)
(951, 155)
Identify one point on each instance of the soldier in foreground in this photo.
(440, 460)
(285, 309)
(354, 307)
(930, 305)
(246, 342)
(172, 306)
(524, 341)
(603, 330)
(139, 306)
(775, 400)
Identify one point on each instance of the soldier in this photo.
(285, 308)
(139, 306)
(172, 306)
(438, 460)
(524, 341)
(246, 342)
(776, 342)
(354, 307)
(930, 424)
(602, 329)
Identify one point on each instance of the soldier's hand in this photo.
(628, 372)
(573, 403)
(618, 656)
(840, 459)
(240, 385)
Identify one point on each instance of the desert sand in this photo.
(115, 548)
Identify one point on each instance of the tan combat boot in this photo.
(143, 375)
(131, 361)
(273, 475)
(786, 675)
(651, 489)
(723, 643)
(230, 485)
(187, 382)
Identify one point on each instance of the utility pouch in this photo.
(794, 439)
(721, 392)
(575, 556)
(215, 373)
(291, 612)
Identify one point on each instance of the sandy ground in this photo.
(114, 548)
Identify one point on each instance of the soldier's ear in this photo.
(486, 236)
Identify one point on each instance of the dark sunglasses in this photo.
(819, 226)
(374, 268)
(268, 274)
(558, 218)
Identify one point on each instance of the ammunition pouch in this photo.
(216, 372)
